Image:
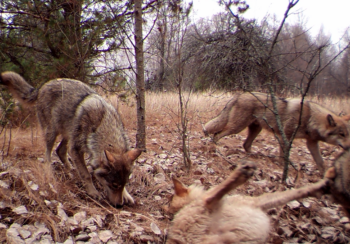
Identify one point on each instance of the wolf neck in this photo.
(195, 192)
(318, 115)
(105, 138)
(108, 132)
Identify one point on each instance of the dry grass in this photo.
(335, 104)
(164, 108)
(200, 108)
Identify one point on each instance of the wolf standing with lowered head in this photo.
(255, 111)
(88, 124)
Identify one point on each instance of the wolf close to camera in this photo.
(88, 125)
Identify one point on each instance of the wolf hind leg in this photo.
(50, 138)
(234, 127)
(78, 159)
(62, 152)
(272, 200)
(253, 131)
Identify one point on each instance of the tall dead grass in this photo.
(165, 106)
(336, 104)
(201, 106)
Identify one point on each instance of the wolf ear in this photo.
(180, 189)
(133, 154)
(331, 121)
(109, 156)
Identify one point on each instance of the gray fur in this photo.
(88, 124)
(340, 189)
(254, 110)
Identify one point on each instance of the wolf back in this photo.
(88, 124)
(255, 111)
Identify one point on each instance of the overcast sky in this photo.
(333, 15)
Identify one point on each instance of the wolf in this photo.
(340, 175)
(209, 217)
(88, 125)
(255, 111)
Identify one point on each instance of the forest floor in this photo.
(43, 204)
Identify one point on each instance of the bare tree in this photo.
(313, 62)
(140, 78)
(183, 99)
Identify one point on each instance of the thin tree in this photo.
(315, 63)
(140, 78)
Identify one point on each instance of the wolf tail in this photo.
(217, 124)
(19, 88)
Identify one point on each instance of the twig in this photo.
(224, 157)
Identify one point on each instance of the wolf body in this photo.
(87, 124)
(209, 217)
(255, 111)
(340, 187)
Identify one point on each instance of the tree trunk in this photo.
(140, 78)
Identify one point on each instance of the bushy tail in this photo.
(219, 122)
(19, 88)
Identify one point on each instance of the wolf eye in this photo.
(342, 134)
(115, 185)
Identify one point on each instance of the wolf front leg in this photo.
(78, 160)
(238, 177)
(315, 152)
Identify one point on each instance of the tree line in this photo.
(92, 40)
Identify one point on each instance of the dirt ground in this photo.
(306, 221)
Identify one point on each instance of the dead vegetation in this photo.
(39, 204)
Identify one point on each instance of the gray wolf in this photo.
(254, 110)
(340, 187)
(87, 124)
(209, 217)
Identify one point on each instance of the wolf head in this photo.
(114, 173)
(337, 131)
(183, 195)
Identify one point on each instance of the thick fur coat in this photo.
(255, 111)
(209, 217)
(340, 188)
(88, 125)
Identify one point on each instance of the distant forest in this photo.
(93, 41)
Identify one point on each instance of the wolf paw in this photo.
(127, 198)
(247, 168)
(92, 192)
(205, 132)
